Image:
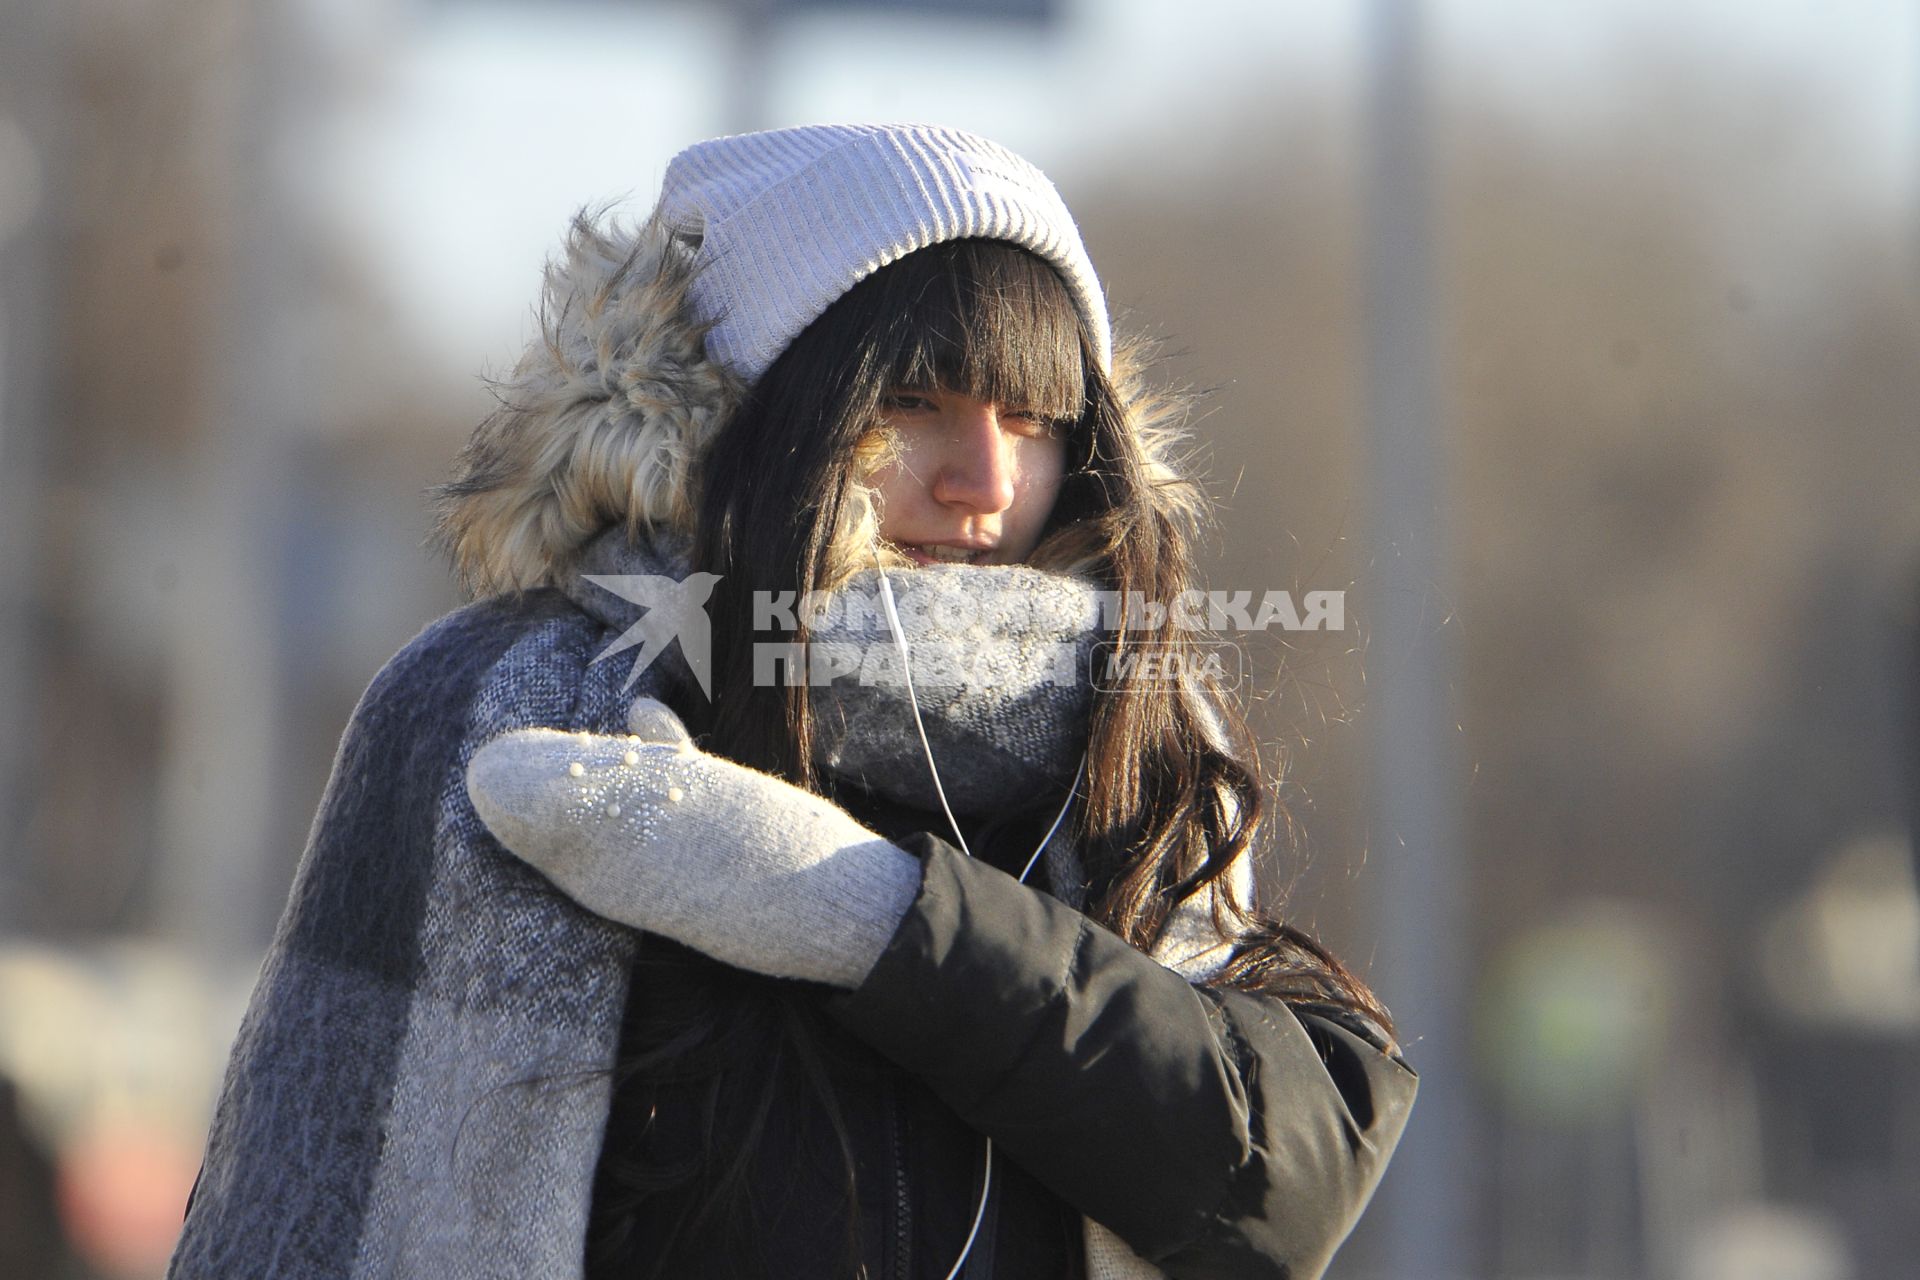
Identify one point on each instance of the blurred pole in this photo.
(1907, 680)
(220, 786)
(1913, 586)
(753, 31)
(29, 81)
(1421, 969)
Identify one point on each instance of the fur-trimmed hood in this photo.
(607, 415)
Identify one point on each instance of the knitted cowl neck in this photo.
(998, 657)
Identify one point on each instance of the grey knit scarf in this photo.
(998, 658)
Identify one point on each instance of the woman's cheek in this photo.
(1042, 471)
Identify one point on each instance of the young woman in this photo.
(885, 943)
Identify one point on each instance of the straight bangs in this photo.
(985, 319)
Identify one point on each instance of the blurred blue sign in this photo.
(1039, 11)
(1032, 10)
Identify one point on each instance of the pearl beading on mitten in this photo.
(652, 832)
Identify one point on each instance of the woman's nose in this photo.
(976, 465)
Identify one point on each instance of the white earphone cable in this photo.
(926, 745)
(913, 701)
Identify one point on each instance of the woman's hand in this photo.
(652, 832)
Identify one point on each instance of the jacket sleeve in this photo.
(1219, 1134)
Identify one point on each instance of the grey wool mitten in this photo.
(652, 832)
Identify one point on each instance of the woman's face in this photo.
(966, 480)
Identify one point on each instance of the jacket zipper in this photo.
(903, 1205)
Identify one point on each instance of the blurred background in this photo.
(1576, 342)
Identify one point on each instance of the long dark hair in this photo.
(1173, 793)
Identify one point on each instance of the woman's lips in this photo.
(937, 553)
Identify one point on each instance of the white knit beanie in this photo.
(793, 218)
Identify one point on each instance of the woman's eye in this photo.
(1029, 423)
(1024, 422)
